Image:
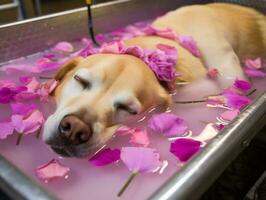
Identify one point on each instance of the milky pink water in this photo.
(86, 181)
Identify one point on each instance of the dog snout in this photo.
(74, 130)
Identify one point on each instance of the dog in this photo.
(97, 93)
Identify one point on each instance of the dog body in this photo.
(97, 93)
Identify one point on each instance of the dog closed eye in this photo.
(84, 83)
(124, 107)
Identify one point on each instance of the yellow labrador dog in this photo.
(96, 93)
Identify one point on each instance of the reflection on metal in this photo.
(19, 186)
(200, 172)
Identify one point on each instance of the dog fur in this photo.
(225, 34)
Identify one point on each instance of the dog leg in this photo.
(218, 53)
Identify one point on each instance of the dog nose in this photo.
(74, 130)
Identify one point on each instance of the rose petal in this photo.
(22, 109)
(213, 73)
(16, 68)
(242, 85)
(229, 115)
(168, 123)
(140, 137)
(253, 64)
(140, 159)
(63, 47)
(113, 47)
(7, 84)
(6, 129)
(29, 124)
(236, 101)
(165, 33)
(184, 149)
(255, 73)
(190, 44)
(51, 170)
(105, 157)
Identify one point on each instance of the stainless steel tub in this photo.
(31, 36)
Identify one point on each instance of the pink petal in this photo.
(124, 130)
(6, 129)
(253, 64)
(190, 44)
(229, 115)
(7, 95)
(113, 47)
(165, 33)
(49, 56)
(236, 101)
(207, 133)
(15, 68)
(87, 51)
(31, 83)
(22, 109)
(24, 96)
(168, 123)
(219, 127)
(51, 170)
(140, 137)
(242, 85)
(28, 125)
(255, 73)
(46, 89)
(63, 47)
(101, 37)
(7, 84)
(86, 41)
(213, 73)
(105, 157)
(17, 123)
(140, 159)
(184, 149)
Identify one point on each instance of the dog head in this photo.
(94, 96)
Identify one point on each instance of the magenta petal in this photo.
(6, 95)
(63, 47)
(236, 101)
(184, 148)
(229, 115)
(242, 85)
(105, 157)
(46, 89)
(6, 129)
(28, 124)
(168, 123)
(22, 109)
(51, 170)
(255, 73)
(140, 159)
(190, 44)
(24, 96)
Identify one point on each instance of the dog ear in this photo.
(67, 67)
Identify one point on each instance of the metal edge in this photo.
(18, 186)
(206, 166)
(77, 10)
